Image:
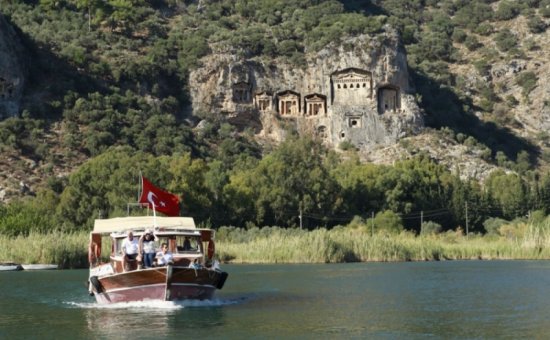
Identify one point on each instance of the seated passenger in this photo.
(164, 256)
(129, 250)
(195, 264)
(147, 248)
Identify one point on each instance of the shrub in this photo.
(536, 25)
(482, 66)
(492, 225)
(430, 228)
(527, 81)
(470, 142)
(388, 221)
(484, 29)
(471, 43)
(473, 14)
(507, 10)
(530, 44)
(537, 217)
(459, 35)
(356, 222)
(511, 100)
(505, 40)
(346, 146)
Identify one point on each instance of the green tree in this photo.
(104, 185)
(508, 191)
(292, 178)
(32, 214)
(507, 10)
(387, 221)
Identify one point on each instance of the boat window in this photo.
(118, 246)
(187, 244)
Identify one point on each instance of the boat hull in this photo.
(10, 267)
(39, 266)
(169, 283)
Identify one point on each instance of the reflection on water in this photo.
(109, 321)
(456, 300)
(160, 318)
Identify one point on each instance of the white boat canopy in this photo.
(121, 224)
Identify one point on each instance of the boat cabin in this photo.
(187, 243)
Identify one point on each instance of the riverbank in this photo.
(67, 250)
(277, 245)
(357, 245)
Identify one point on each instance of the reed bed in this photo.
(277, 245)
(357, 245)
(67, 250)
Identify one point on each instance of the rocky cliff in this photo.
(12, 72)
(356, 91)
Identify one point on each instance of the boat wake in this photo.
(158, 305)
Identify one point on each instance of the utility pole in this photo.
(372, 224)
(421, 220)
(466, 219)
(300, 216)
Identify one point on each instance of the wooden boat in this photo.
(10, 267)
(110, 282)
(39, 266)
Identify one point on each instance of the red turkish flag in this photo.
(163, 201)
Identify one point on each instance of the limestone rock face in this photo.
(12, 78)
(357, 91)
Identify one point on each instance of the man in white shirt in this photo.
(164, 256)
(129, 249)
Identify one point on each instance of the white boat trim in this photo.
(133, 287)
(192, 284)
(156, 285)
(120, 224)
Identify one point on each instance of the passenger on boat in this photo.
(147, 248)
(164, 257)
(186, 243)
(129, 249)
(195, 264)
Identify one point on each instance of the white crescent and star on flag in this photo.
(151, 199)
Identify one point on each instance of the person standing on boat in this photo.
(186, 244)
(164, 256)
(147, 248)
(130, 248)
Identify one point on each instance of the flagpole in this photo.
(154, 216)
(140, 184)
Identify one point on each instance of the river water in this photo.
(451, 300)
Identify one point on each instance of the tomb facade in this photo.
(241, 92)
(351, 86)
(263, 101)
(288, 103)
(388, 99)
(315, 105)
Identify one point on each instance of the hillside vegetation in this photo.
(108, 97)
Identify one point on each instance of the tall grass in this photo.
(276, 245)
(67, 250)
(349, 245)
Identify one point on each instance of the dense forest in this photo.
(298, 177)
(109, 78)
